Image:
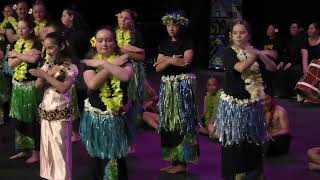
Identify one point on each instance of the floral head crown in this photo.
(176, 18)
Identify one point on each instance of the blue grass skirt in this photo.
(23, 101)
(103, 134)
(239, 121)
(178, 103)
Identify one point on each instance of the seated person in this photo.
(150, 108)
(314, 157)
(277, 125)
(210, 106)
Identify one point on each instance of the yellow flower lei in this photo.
(40, 26)
(8, 20)
(123, 38)
(21, 69)
(112, 97)
(252, 76)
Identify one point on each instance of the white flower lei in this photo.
(251, 76)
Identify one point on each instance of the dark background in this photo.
(258, 12)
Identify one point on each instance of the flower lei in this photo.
(175, 18)
(251, 76)
(111, 93)
(123, 37)
(20, 70)
(40, 25)
(5, 22)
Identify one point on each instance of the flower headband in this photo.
(176, 18)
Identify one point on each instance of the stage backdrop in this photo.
(222, 13)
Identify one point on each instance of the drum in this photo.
(309, 84)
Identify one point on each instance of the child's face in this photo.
(212, 86)
(23, 30)
(22, 9)
(39, 12)
(173, 29)
(240, 35)
(7, 11)
(52, 48)
(66, 19)
(125, 20)
(105, 42)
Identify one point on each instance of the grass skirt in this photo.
(239, 120)
(23, 101)
(103, 134)
(178, 103)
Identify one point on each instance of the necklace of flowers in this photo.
(123, 37)
(111, 93)
(251, 76)
(40, 25)
(20, 70)
(5, 22)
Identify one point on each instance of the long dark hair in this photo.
(60, 41)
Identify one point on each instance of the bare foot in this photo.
(166, 168)
(35, 157)
(131, 149)
(177, 169)
(19, 155)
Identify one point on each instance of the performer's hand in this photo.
(38, 73)
(177, 60)
(12, 54)
(159, 61)
(279, 66)
(287, 66)
(54, 70)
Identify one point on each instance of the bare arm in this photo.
(284, 122)
(62, 87)
(304, 54)
(13, 62)
(135, 55)
(30, 57)
(95, 80)
(241, 66)
(39, 83)
(162, 62)
(11, 36)
(123, 73)
(269, 63)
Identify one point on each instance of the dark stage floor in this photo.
(146, 162)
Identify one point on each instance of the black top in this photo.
(77, 42)
(313, 51)
(170, 48)
(94, 96)
(293, 49)
(274, 44)
(233, 84)
(137, 40)
(38, 46)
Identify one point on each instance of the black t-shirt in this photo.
(94, 96)
(170, 48)
(77, 42)
(313, 51)
(138, 40)
(233, 84)
(293, 49)
(274, 44)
